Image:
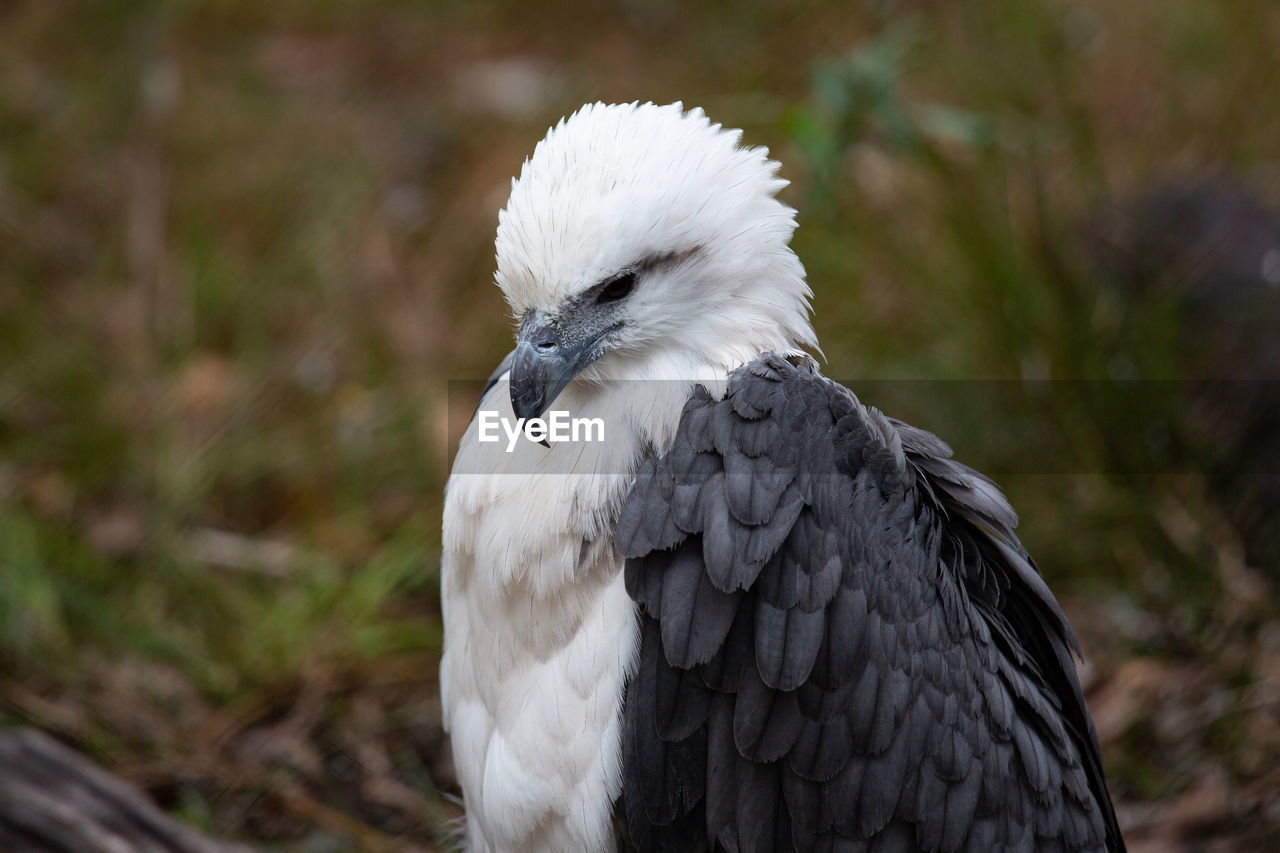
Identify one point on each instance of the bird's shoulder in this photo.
(503, 368)
(842, 638)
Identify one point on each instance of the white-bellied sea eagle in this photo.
(754, 614)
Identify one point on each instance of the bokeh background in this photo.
(246, 246)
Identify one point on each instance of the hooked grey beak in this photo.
(545, 361)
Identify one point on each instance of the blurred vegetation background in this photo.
(244, 247)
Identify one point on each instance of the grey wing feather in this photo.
(845, 647)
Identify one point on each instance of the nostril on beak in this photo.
(547, 347)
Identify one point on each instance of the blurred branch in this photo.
(51, 798)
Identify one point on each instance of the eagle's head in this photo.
(644, 241)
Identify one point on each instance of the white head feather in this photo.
(616, 184)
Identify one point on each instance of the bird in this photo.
(753, 613)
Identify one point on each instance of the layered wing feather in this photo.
(844, 646)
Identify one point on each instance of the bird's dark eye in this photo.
(616, 289)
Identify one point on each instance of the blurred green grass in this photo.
(245, 247)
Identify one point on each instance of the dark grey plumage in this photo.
(844, 645)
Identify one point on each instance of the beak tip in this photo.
(525, 405)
